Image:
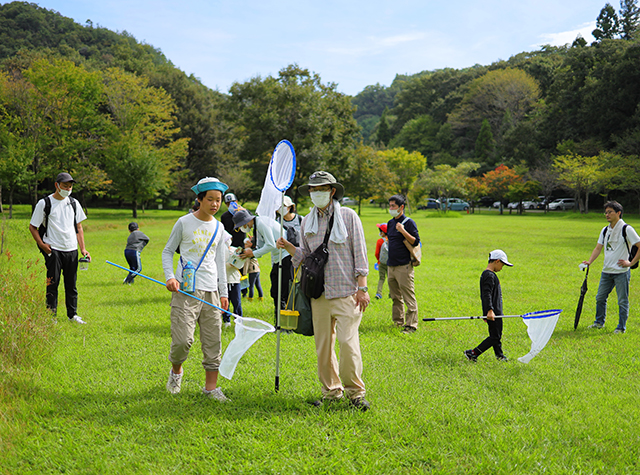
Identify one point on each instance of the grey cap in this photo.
(64, 178)
(229, 197)
(241, 218)
(322, 178)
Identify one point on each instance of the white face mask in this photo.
(320, 198)
(64, 193)
(245, 229)
(284, 210)
(394, 212)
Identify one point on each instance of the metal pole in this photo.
(278, 302)
(468, 318)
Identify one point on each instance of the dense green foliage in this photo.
(523, 113)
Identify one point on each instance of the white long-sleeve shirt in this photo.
(192, 235)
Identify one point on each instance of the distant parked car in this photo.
(431, 204)
(513, 205)
(496, 204)
(456, 204)
(485, 201)
(346, 201)
(562, 204)
(530, 204)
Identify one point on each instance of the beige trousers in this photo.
(402, 290)
(338, 318)
(186, 312)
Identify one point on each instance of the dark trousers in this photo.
(254, 279)
(135, 264)
(287, 277)
(65, 263)
(235, 299)
(495, 335)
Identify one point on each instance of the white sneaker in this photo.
(227, 324)
(216, 394)
(175, 381)
(77, 319)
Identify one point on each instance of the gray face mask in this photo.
(320, 198)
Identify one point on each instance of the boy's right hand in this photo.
(173, 285)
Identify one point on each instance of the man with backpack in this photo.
(56, 226)
(621, 243)
(402, 233)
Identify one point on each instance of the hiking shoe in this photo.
(77, 319)
(597, 326)
(406, 330)
(471, 356)
(618, 331)
(361, 404)
(378, 296)
(502, 358)
(174, 382)
(216, 394)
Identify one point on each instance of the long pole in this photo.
(279, 300)
(468, 318)
(181, 291)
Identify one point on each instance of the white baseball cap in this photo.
(499, 255)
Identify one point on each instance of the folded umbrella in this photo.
(583, 292)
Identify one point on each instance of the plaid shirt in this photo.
(346, 261)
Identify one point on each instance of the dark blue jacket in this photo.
(398, 252)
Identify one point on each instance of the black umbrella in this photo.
(583, 291)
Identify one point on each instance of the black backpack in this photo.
(292, 232)
(634, 249)
(312, 280)
(42, 230)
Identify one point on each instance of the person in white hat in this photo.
(491, 296)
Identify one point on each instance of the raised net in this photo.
(280, 175)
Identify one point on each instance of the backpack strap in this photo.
(624, 236)
(73, 205)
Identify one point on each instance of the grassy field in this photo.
(98, 404)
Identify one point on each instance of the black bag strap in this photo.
(327, 233)
(624, 236)
(47, 212)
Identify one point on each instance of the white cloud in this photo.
(564, 37)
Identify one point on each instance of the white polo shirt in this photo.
(61, 234)
(615, 247)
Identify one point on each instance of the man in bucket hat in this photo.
(56, 226)
(338, 311)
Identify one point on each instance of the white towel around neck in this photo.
(339, 232)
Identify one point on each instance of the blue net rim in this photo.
(542, 314)
(293, 169)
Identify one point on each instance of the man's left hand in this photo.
(86, 254)
(624, 263)
(247, 253)
(224, 303)
(362, 300)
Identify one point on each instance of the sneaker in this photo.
(320, 402)
(502, 358)
(471, 356)
(174, 382)
(618, 331)
(227, 324)
(77, 319)
(361, 404)
(250, 299)
(596, 326)
(378, 296)
(406, 330)
(260, 299)
(216, 394)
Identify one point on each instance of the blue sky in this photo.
(351, 43)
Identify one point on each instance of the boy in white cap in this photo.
(201, 239)
(491, 296)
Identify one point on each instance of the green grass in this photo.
(98, 403)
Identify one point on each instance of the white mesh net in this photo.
(540, 327)
(248, 331)
(282, 169)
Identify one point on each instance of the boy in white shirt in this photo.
(56, 227)
(617, 239)
(193, 233)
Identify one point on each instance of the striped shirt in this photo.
(346, 261)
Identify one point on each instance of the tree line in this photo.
(135, 129)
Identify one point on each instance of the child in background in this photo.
(491, 295)
(136, 242)
(252, 269)
(382, 255)
(233, 277)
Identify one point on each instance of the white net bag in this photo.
(248, 331)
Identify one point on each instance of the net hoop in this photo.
(542, 314)
(253, 324)
(287, 149)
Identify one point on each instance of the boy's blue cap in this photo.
(209, 183)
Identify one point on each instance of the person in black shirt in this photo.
(491, 295)
(401, 228)
(237, 240)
